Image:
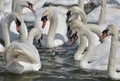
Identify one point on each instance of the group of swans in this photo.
(109, 51)
(20, 55)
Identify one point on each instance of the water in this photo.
(56, 67)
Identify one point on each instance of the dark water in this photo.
(57, 67)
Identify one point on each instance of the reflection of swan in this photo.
(22, 56)
(5, 28)
(113, 31)
(57, 29)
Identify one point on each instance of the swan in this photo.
(21, 56)
(5, 28)
(82, 44)
(79, 30)
(57, 30)
(114, 51)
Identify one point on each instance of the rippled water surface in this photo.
(58, 66)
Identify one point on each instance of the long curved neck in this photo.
(83, 16)
(16, 6)
(52, 30)
(6, 28)
(34, 32)
(2, 5)
(23, 31)
(81, 48)
(112, 57)
(94, 28)
(103, 12)
(85, 61)
(81, 4)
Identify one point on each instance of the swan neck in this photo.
(112, 55)
(103, 12)
(6, 28)
(95, 29)
(23, 31)
(34, 32)
(85, 62)
(52, 30)
(81, 4)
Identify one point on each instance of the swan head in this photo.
(44, 20)
(26, 4)
(72, 13)
(30, 6)
(110, 30)
(47, 14)
(73, 31)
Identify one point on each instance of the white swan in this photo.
(57, 29)
(5, 28)
(81, 46)
(21, 56)
(114, 51)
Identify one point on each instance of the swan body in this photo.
(57, 30)
(21, 56)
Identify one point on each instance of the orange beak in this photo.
(44, 23)
(18, 28)
(32, 9)
(102, 37)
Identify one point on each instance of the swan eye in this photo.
(44, 18)
(18, 22)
